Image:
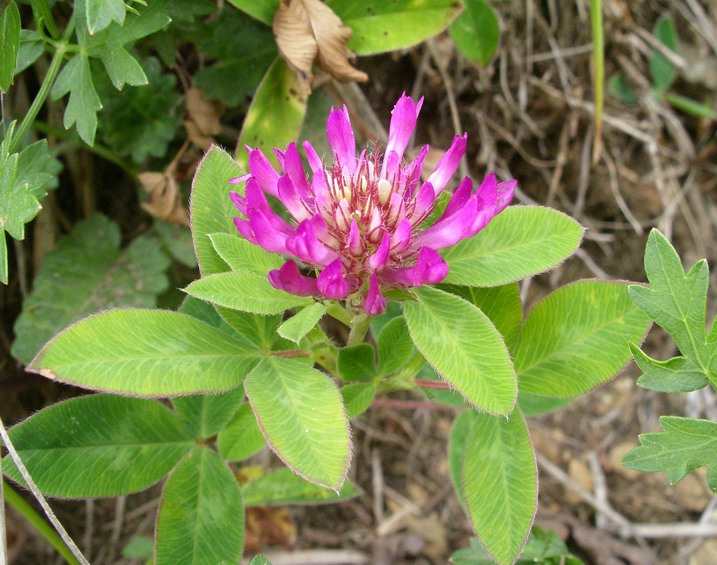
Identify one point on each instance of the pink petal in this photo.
(375, 302)
(313, 158)
(379, 259)
(356, 246)
(505, 191)
(331, 281)
(414, 170)
(261, 169)
(256, 201)
(459, 198)
(290, 197)
(430, 268)
(449, 163)
(423, 203)
(451, 230)
(265, 234)
(239, 201)
(244, 228)
(289, 279)
(341, 139)
(403, 122)
(306, 245)
(237, 180)
(294, 168)
(401, 236)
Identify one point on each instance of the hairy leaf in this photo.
(241, 438)
(87, 272)
(302, 417)
(99, 445)
(296, 327)
(464, 347)
(521, 241)
(146, 353)
(201, 516)
(205, 415)
(284, 487)
(476, 31)
(500, 478)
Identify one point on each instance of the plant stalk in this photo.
(359, 327)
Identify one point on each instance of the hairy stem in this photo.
(359, 327)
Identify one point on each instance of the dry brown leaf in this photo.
(308, 31)
(269, 526)
(202, 118)
(165, 201)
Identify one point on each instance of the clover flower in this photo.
(360, 222)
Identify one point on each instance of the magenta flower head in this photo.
(359, 223)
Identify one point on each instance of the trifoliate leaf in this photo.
(685, 445)
(88, 272)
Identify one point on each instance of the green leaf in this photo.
(520, 242)
(259, 332)
(241, 255)
(246, 292)
(84, 103)
(241, 438)
(675, 301)
(9, 44)
(98, 445)
(464, 347)
(160, 353)
(259, 559)
(395, 347)
(201, 516)
(500, 303)
(37, 169)
(535, 404)
(621, 89)
(357, 362)
(296, 327)
(143, 121)
(139, 547)
(31, 47)
(136, 26)
(685, 445)
(177, 240)
(302, 417)
(244, 50)
(87, 272)
(380, 26)
(476, 32)
(283, 487)
(663, 73)
(690, 106)
(674, 375)
(500, 479)
(357, 398)
(262, 10)
(101, 13)
(278, 100)
(442, 396)
(459, 436)
(211, 209)
(121, 67)
(577, 338)
(204, 415)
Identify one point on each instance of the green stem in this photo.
(45, 87)
(335, 310)
(359, 327)
(322, 350)
(596, 24)
(37, 522)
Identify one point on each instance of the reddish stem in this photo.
(425, 383)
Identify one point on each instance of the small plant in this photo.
(663, 74)
(677, 303)
(366, 234)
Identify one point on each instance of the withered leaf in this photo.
(308, 32)
(165, 201)
(202, 118)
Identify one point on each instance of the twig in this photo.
(600, 485)
(316, 557)
(377, 485)
(39, 497)
(448, 84)
(425, 383)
